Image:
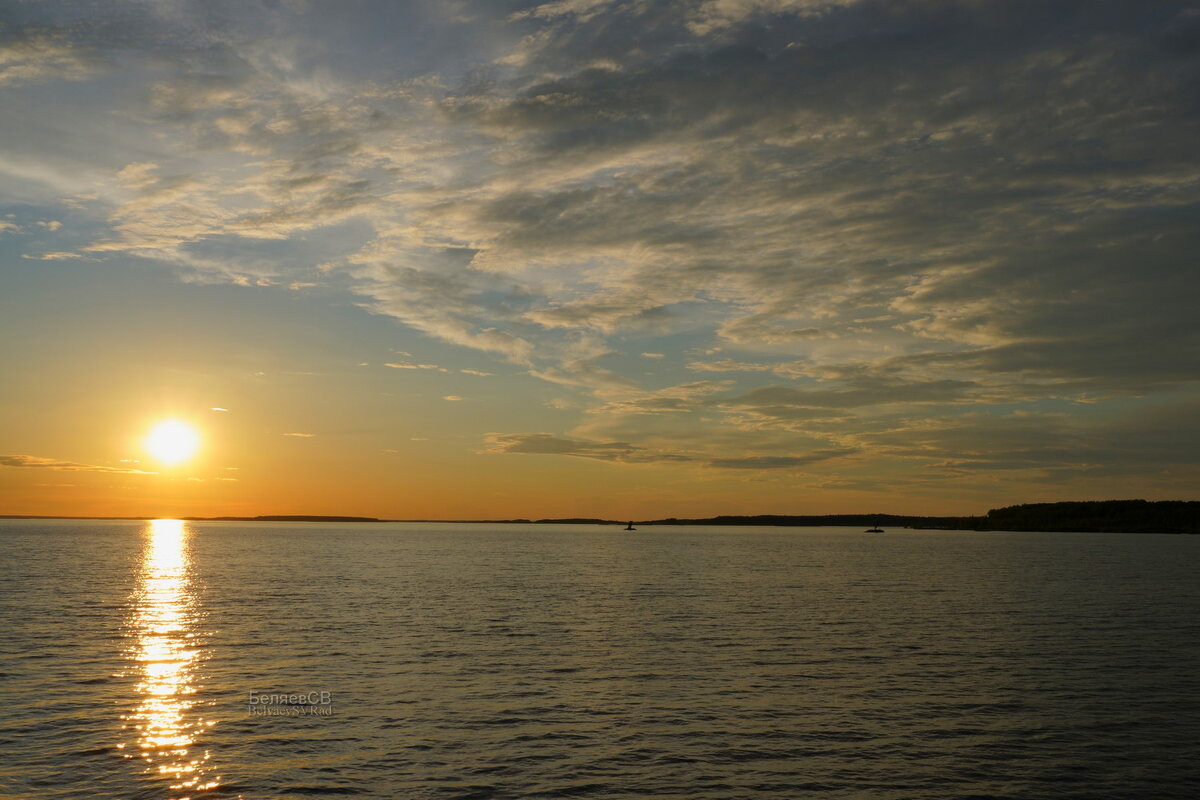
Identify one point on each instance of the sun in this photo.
(172, 441)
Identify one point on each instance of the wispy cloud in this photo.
(53, 255)
(39, 462)
(549, 444)
(778, 462)
(406, 365)
(41, 57)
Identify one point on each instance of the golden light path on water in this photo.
(167, 722)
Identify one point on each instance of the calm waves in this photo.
(474, 661)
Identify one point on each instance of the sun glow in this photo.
(172, 441)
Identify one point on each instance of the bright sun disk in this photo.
(172, 441)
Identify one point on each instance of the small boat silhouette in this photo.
(873, 530)
(630, 527)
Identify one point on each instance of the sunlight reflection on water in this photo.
(165, 652)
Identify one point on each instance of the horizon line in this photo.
(531, 520)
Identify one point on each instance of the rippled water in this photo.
(474, 661)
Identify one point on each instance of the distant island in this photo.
(1099, 516)
(285, 518)
(1096, 516)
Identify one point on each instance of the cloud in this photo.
(1050, 444)
(41, 57)
(832, 241)
(778, 462)
(299, 435)
(792, 369)
(715, 15)
(549, 444)
(883, 393)
(682, 397)
(453, 398)
(624, 452)
(53, 255)
(38, 462)
(406, 365)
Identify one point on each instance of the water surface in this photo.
(476, 661)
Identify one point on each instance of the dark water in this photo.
(468, 661)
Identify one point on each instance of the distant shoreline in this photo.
(1096, 516)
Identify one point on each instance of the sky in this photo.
(624, 259)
